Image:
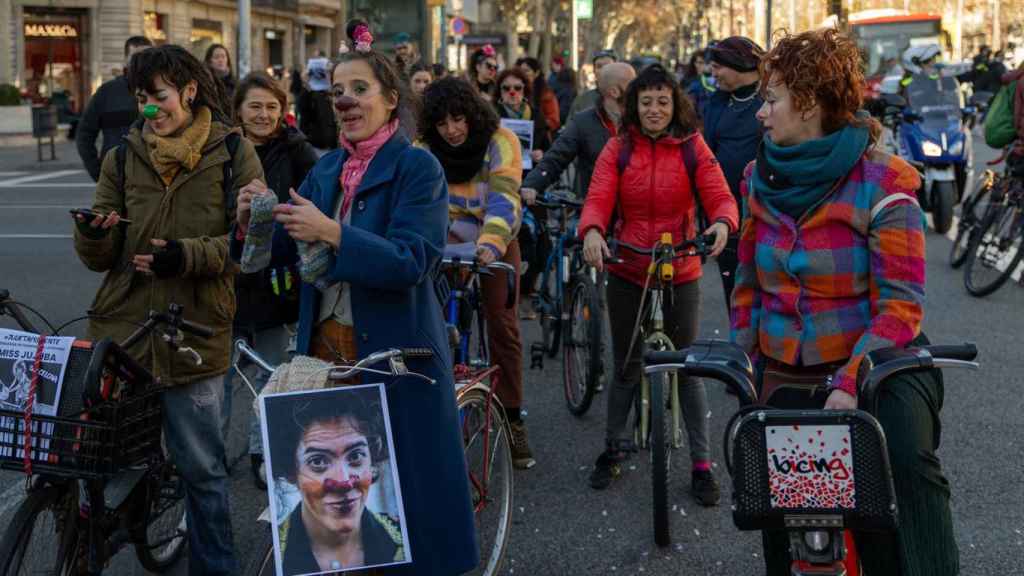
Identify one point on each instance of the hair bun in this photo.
(350, 28)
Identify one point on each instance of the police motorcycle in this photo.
(928, 124)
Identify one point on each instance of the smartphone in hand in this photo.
(89, 214)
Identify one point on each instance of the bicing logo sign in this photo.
(810, 466)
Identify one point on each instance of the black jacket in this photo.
(581, 140)
(316, 119)
(733, 132)
(111, 110)
(382, 542)
(286, 160)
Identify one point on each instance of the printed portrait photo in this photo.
(335, 501)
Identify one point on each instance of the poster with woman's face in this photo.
(332, 481)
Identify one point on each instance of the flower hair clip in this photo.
(488, 51)
(363, 38)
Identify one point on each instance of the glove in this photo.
(86, 229)
(169, 262)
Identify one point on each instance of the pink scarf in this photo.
(360, 154)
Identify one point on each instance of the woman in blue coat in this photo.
(367, 229)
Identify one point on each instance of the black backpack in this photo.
(230, 141)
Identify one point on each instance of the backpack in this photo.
(689, 155)
(230, 142)
(999, 127)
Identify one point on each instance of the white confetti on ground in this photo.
(604, 512)
(611, 529)
(521, 509)
(632, 467)
(675, 507)
(682, 511)
(697, 532)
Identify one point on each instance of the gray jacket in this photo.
(582, 140)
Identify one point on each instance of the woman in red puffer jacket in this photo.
(642, 177)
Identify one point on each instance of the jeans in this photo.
(272, 345)
(194, 442)
(681, 326)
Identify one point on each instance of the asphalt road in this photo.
(561, 526)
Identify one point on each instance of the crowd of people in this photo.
(341, 215)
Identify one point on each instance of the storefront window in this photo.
(55, 43)
(154, 25)
(204, 34)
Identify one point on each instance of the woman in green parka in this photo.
(175, 250)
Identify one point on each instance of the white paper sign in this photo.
(524, 130)
(810, 466)
(17, 363)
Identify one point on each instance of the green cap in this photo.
(150, 111)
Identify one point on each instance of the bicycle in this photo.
(973, 211)
(486, 431)
(105, 481)
(650, 424)
(262, 562)
(844, 491)
(570, 308)
(995, 250)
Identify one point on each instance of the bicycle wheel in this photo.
(161, 521)
(995, 251)
(261, 563)
(581, 346)
(660, 457)
(42, 538)
(549, 308)
(485, 437)
(971, 215)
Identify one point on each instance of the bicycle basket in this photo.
(800, 464)
(92, 441)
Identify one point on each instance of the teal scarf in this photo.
(792, 179)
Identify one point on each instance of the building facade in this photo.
(67, 48)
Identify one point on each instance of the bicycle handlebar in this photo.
(698, 246)
(11, 308)
(393, 356)
(728, 363)
(468, 261)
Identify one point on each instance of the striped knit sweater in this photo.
(845, 279)
(488, 208)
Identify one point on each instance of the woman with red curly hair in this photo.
(841, 219)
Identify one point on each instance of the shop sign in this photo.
(50, 30)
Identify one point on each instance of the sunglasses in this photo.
(512, 88)
(491, 67)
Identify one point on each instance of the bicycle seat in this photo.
(811, 468)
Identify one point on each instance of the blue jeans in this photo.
(195, 444)
(272, 345)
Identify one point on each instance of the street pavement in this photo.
(560, 525)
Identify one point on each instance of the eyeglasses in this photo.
(491, 67)
(512, 88)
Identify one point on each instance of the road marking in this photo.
(40, 206)
(33, 236)
(50, 185)
(44, 176)
(12, 497)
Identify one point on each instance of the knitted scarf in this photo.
(170, 153)
(792, 179)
